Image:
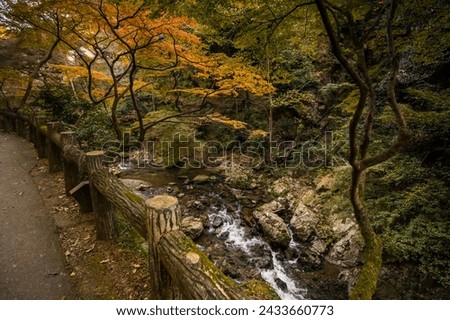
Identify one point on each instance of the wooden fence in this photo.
(178, 268)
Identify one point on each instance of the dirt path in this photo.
(32, 265)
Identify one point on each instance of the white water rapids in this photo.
(237, 237)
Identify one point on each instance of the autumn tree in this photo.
(23, 33)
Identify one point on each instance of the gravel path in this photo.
(32, 265)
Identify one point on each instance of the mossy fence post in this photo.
(105, 216)
(163, 216)
(53, 151)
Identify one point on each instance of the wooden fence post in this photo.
(20, 125)
(32, 129)
(105, 219)
(163, 216)
(41, 139)
(6, 123)
(68, 138)
(13, 122)
(53, 151)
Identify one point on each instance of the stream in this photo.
(236, 247)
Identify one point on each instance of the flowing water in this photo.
(237, 237)
(227, 229)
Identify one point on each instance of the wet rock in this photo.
(200, 179)
(273, 227)
(223, 235)
(229, 270)
(281, 284)
(192, 227)
(217, 222)
(264, 262)
(303, 222)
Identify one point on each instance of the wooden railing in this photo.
(178, 268)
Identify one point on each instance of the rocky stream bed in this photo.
(252, 225)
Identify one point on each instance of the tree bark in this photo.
(41, 139)
(163, 216)
(53, 150)
(192, 272)
(126, 201)
(105, 218)
(366, 283)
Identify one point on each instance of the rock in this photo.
(200, 179)
(281, 284)
(303, 222)
(135, 184)
(192, 227)
(217, 222)
(346, 251)
(318, 247)
(264, 262)
(282, 186)
(309, 260)
(325, 183)
(143, 187)
(273, 227)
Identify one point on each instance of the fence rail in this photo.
(178, 268)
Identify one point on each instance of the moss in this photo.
(187, 245)
(367, 280)
(133, 196)
(258, 290)
(130, 238)
(349, 104)
(432, 99)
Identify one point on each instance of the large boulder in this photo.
(303, 222)
(346, 251)
(272, 225)
(192, 227)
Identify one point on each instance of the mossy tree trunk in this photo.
(359, 159)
